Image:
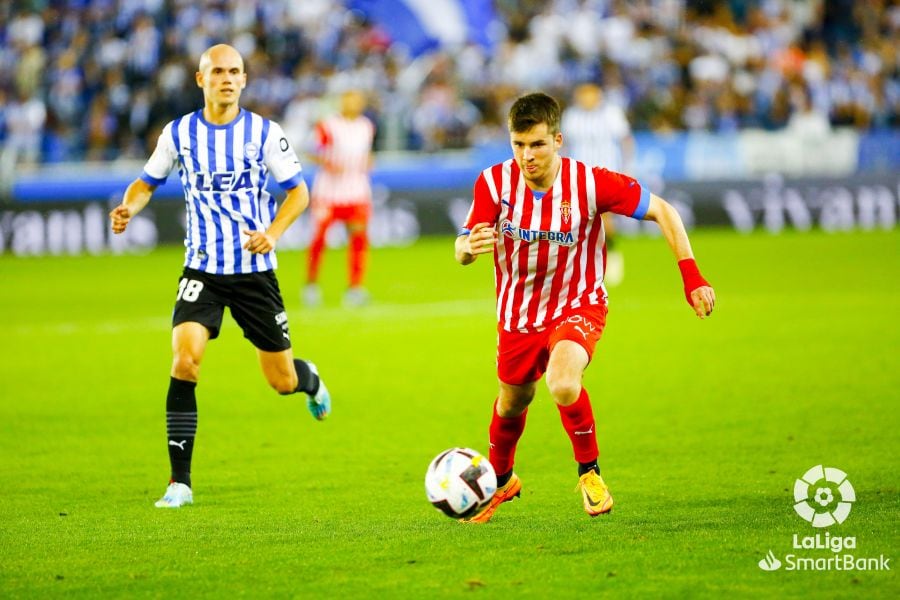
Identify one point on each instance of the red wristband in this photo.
(691, 277)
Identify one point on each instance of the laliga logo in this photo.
(823, 496)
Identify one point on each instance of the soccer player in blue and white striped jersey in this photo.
(598, 134)
(224, 155)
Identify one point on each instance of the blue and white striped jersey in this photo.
(224, 170)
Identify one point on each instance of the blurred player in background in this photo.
(342, 192)
(538, 214)
(598, 134)
(224, 155)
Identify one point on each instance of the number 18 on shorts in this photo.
(254, 300)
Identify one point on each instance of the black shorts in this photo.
(253, 298)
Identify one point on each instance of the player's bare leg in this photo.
(565, 370)
(507, 424)
(188, 346)
(566, 366)
(279, 371)
(513, 400)
(356, 258)
(289, 375)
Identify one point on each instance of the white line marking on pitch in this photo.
(302, 316)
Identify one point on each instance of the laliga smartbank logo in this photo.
(823, 497)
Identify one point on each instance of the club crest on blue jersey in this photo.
(222, 181)
(251, 150)
(562, 238)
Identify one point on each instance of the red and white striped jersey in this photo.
(551, 250)
(346, 144)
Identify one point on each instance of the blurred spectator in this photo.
(111, 72)
(442, 119)
(101, 129)
(806, 122)
(596, 132)
(25, 117)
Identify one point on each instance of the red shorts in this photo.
(351, 213)
(522, 357)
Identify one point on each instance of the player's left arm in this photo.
(285, 167)
(699, 294)
(296, 201)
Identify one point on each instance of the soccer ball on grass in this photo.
(459, 482)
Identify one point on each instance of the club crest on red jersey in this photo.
(565, 210)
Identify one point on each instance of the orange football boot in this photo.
(512, 489)
(595, 493)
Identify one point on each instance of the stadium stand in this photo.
(95, 79)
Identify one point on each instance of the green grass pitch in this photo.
(703, 428)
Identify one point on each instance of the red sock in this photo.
(578, 421)
(316, 247)
(359, 241)
(505, 434)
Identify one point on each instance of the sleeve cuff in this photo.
(292, 182)
(150, 180)
(643, 204)
(463, 231)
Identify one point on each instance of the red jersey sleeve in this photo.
(485, 209)
(620, 194)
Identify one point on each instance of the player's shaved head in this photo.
(532, 109)
(221, 75)
(220, 53)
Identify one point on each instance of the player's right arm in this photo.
(480, 240)
(479, 234)
(138, 194)
(135, 199)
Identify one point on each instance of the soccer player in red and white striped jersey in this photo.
(539, 214)
(342, 192)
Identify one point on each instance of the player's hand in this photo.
(258, 242)
(481, 239)
(703, 299)
(119, 217)
(333, 167)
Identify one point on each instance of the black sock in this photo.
(504, 478)
(307, 381)
(588, 466)
(181, 427)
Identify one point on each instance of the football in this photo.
(459, 482)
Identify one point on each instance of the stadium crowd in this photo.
(97, 79)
